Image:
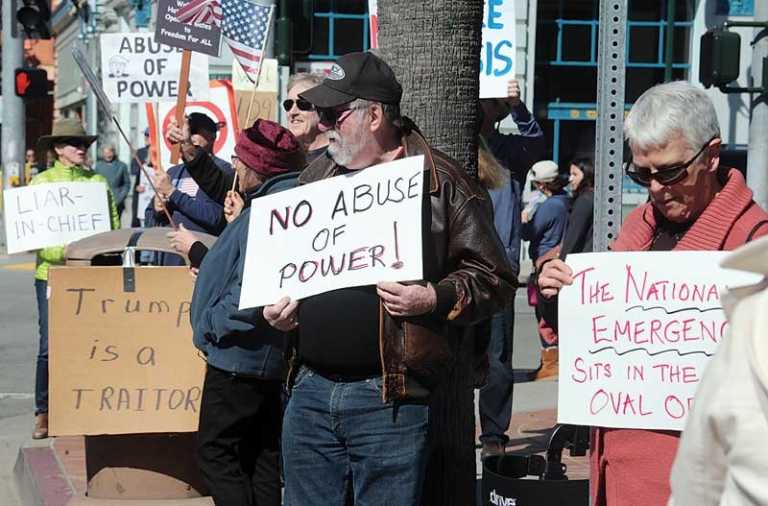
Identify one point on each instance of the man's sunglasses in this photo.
(335, 116)
(666, 177)
(302, 104)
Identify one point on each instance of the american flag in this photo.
(245, 28)
(200, 11)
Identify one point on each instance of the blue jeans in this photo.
(41, 374)
(496, 395)
(343, 445)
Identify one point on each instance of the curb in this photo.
(40, 479)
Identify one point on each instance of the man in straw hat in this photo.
(68, 144)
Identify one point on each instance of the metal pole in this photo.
(669, 42)
(610, 121)
(757, 156)
(13, 130)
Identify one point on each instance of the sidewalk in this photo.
(56, 472)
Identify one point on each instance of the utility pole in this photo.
(757, 156)
(14, 123)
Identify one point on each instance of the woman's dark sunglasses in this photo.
(643, 176)
(302, 104)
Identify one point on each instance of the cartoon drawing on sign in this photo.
(117, 66)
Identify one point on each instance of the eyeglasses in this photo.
(302, 104)
(334, 116)
(76, 143)
(666, 177)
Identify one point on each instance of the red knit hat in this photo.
(269, 149)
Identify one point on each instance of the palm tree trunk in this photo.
(434, 48)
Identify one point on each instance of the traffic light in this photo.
(720, 57)
(31, 83)
(35, 18)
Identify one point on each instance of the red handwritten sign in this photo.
(636, 333)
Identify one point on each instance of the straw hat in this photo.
(63, 130)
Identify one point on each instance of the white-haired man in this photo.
(695, 204)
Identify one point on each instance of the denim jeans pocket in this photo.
(304, 371)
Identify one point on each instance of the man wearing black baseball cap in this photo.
(188, 204)
(367, 358)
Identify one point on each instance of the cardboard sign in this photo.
(54, 214)
(220, 107)
(636, 333)
(137, 68)
(199, 31)
(264, 106)
(122, 362)
(498, 53)
(351, 230)
(267, 77)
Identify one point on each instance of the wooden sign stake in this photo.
(181, 101)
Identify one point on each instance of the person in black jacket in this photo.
(578, 234)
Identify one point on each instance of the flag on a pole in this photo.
(245, 28)
(201, 11)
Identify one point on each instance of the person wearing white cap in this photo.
(545, 231)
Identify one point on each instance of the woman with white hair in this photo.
(695, 204)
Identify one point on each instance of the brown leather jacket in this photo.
(463, 259)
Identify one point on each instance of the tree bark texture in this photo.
(434, 48)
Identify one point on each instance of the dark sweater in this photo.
(578, 234)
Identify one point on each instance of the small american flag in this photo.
(245, 28)
(200, 11)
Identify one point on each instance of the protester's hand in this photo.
(194, 271)
(140, 189)
(553, 276)
(524, 217)
(406, 300)
(513, 92)
(159, 203)
(181, 239)
(177, 134)
(163, 183)
(233, 206)
(282, 315)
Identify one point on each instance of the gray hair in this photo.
(670, 109)
(304, 77)
(391, 111)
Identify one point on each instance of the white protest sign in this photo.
(351, 230)
(636, 331)
(137, 68)
(54, 214)
(497, 55)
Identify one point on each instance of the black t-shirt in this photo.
(339, 332)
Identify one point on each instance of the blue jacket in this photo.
(506, 220)
(241, 342)
(546, 229)
(199, 213)
(517, 153)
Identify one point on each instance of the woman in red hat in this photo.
(241, 409)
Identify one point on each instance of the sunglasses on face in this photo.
(666, 177)
(302, 104)
(75, 143)
(335, 116)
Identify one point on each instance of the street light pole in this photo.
(13, 130)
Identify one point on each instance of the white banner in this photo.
(54, 214)
(498, 54)
(636, 333)
(351, 230)
(136, 68)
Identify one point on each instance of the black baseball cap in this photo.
(201, 122)
(356, 75)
